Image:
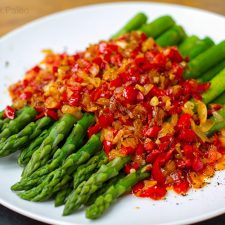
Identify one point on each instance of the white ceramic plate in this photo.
(74, 30)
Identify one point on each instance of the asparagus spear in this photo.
(173, 36)
(31, 131)
(50, 144)
(4, 123)
(133, 24)
(124, 185)
(103, 190)
(158, 26)
(95, 182)
(1, 114)
(55, 179)
(14, 126)
(62, 195)
(188, 44)
(205, 61)
(28, 151)
(202, 46)
(84, 171)
(72, 143)
(212, 72)
(219, 124)
(220, 99)
(217, 87)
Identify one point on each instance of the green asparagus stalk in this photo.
(14, 126)
(104, 188)
(220, 99)
(4, 123)
(124, 185)
(188, 44)
(55, 179)
(28, 151)
(205, 61)
(212, 72)
(217, 87)
(219, 122)
(158, 26)
(94, 183)
(133, 24)
(50, 144)
(1, 114)
(17, 141)
(173, 36)
(73, 142)
(84, 171)
(201, 47)
(61, 196)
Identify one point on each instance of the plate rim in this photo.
(28, 25)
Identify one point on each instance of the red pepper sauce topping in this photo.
(141, 102)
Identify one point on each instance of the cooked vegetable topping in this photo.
(143, 107)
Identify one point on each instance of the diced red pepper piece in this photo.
(156, 192)
(116, 82)
(174, 54)
(187, 135)
(140, 149)
(188, 151)
(184, 121)
(197, 164)
(130, 94)
(127, 150)
(39, 116)
(9, 113)
(26, 95)
(152, 156)
(181, 187)
(105, 120)
(152, 132)
(93, 130)
(51, 113)
(107, 145)
(156, 171)
(138, 187)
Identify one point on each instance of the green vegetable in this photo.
(74, 141)
(61, 196)
(14, 126)
(212, 72)
(104, 188)
(133, 24)
(54, 181)
(84, 171)
(201, 47)
(188, 44)
(173, 36)
(17, 141)
(124, 185)
(205, 61)
(50, 144)
(28, 151)
(219, 122)
(217, 87)
(220, 99)
(158, 26)
(80, 196)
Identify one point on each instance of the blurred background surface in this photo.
(14, 13)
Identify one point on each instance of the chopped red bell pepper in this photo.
(93, 130)
(9, 113)
(156, 192)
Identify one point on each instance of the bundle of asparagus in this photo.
(60, 163)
